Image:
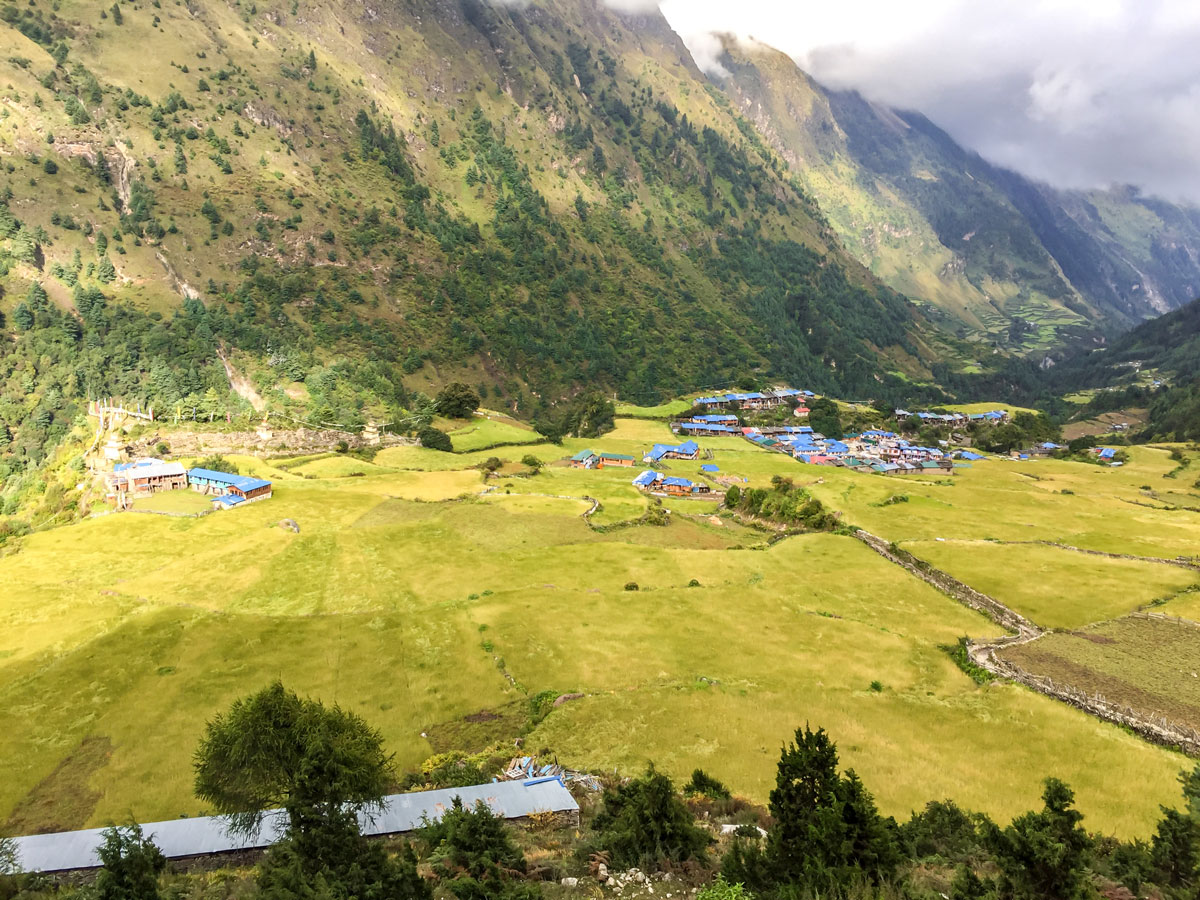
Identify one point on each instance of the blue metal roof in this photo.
(707, 427)
(182, 838)
(241, 482)
(647, 478)
(709, 468)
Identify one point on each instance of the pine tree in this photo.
(311, 65)
(117, 18)
(8, 222)
(107, 272)
(101, 243)
(23, 317)
(1043, 855)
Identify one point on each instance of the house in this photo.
(683, 486)
(613, 459)
(716, 419)
(584, 459)
(970, 455)
(1105, 452)
(144, 477)
(995, 417)
(801, 411)
(686, 450)
(713, 429)
(648, 480)
(230, 490)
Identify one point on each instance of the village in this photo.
(872, 450)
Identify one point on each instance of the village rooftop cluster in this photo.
(148, 476)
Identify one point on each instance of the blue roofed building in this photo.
(226, 485)
(687, 450)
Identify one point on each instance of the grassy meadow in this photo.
(417, 593)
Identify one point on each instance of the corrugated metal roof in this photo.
(150, 468)
(181, 838)
(244, 482)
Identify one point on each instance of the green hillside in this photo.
(1155, 366)
(1006, 262)
(334, 207)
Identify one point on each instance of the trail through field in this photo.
(983, 653)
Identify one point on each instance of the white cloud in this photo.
(1076, 92)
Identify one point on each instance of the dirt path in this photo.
(241, 386)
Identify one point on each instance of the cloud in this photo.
(1080, 93)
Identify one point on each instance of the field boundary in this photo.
(983, 653)
(1182, 562)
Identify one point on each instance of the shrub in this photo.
(704, 784)
(877, 686)
(131, 865)
(631, 585)
(161, 449)
(50, 167)
(531, 461)
(218, 463)
(723, 890)
(644, 823)
(435, 440)
(492, 464)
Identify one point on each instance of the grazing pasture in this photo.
(418, 592)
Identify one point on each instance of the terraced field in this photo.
(1146, 662)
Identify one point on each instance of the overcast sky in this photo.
(1074, 92)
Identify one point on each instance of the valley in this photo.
(420, 592)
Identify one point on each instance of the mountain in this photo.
(325, 208)
(1156, 366)
(1007, 262)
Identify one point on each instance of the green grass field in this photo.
(1057, 588)
(406, 583)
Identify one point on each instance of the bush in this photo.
(50, 167)
(474, 854)
(530, 461)
(218, 463)
(704, 784)
(644, 823)
(631, 585)
(491, 464)
(722, 890)
(131, 865)
(161, 449)
(435, 440)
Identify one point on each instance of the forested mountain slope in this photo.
(357, 200)
(1008, 262)
(1156, 365)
